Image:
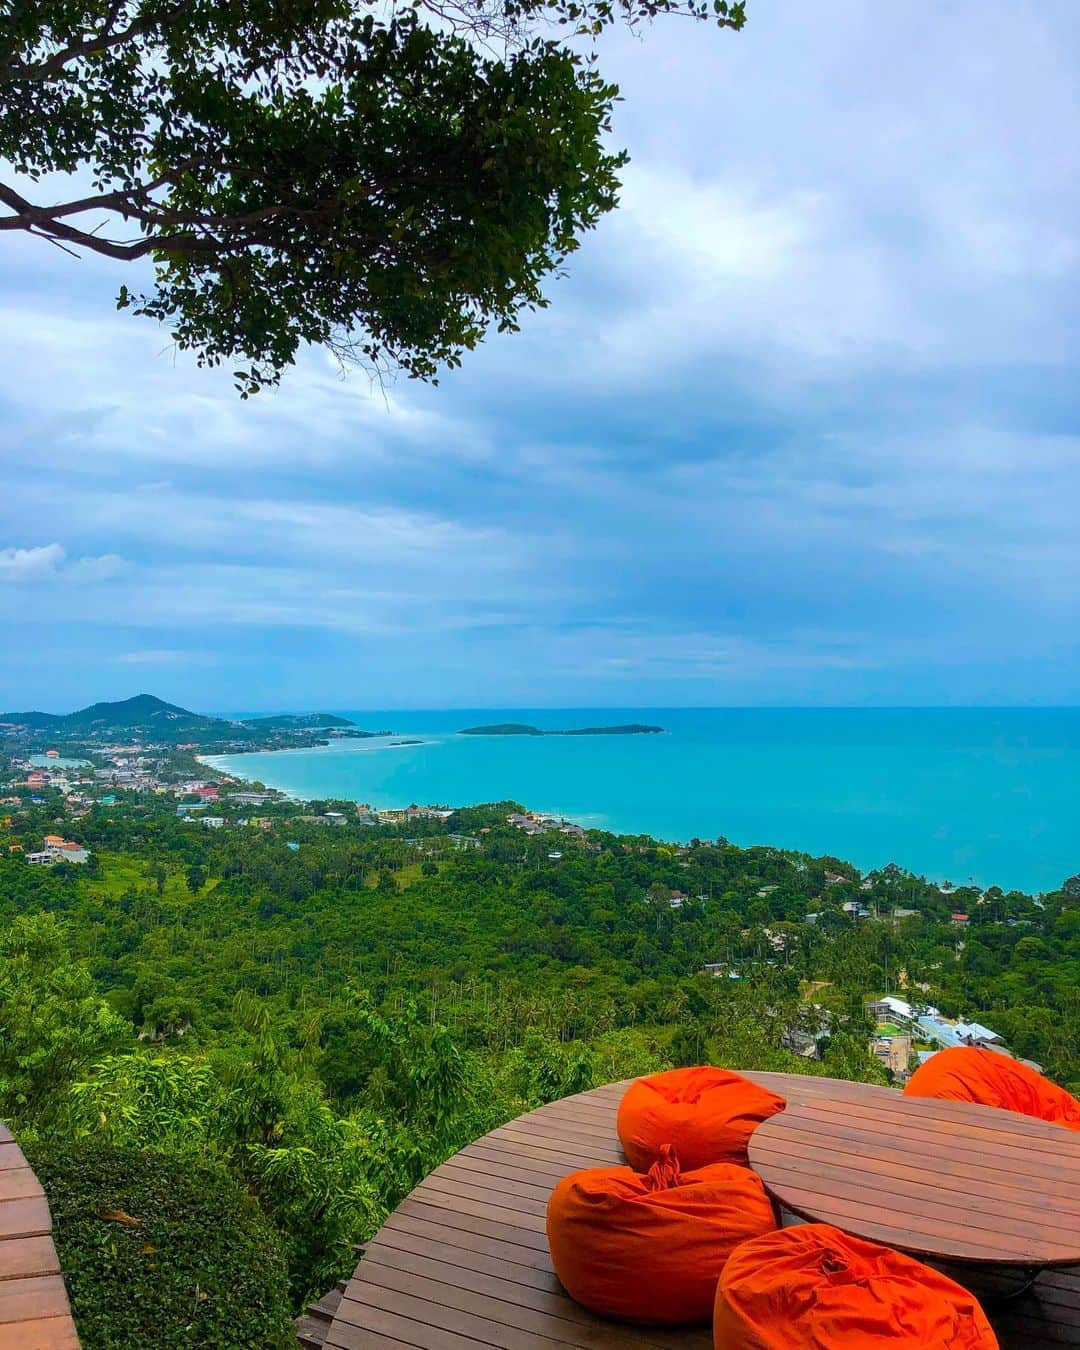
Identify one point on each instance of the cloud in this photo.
(30, 564)
(162, 657)
(103, 568)
(799, 425)
(48, 562)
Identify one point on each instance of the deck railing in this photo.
(34, 1309)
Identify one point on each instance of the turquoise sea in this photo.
(987, 794)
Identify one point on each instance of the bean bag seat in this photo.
(707, 1115)
(968, 1074)
(650, 1247)
(813, 1287)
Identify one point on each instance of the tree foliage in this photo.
(386, 181)
(53, 1022)
(327, 1024)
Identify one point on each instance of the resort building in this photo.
(57, 849)
(934, 1027)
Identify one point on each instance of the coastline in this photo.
(588, 820)
(982, 795)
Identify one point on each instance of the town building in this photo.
(892, 1009)
(949, 1034)
(56, 849)
(893, 1053)
(720, 970)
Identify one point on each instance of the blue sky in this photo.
(800, 427)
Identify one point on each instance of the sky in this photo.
(801, 426)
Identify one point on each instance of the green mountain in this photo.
(144, 713)
(140, 711)
(153, 720)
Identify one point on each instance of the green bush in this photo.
(163, 1252)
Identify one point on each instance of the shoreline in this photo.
(291, 795)
(358, 741)
(946, 803)
(580, 818)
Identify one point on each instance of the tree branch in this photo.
(181, 228)
(122, 200)
(133, 202)
(102, 41)
(33, 221)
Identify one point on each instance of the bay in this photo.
(989, 795)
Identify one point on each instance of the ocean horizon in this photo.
(971, 794)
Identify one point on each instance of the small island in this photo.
(524, 729)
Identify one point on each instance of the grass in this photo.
(121, 873)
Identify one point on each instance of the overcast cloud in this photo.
(799, 427)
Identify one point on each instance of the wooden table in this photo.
(944, 1180)
(462, 1263)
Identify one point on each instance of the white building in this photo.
(891, 1009)
(57, 850)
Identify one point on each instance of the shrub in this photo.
(161, 1251)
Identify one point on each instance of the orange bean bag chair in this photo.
(707, 1115)
(650, 1248)
(968, 1074)
(813, 1287)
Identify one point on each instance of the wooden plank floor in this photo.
(463, 1263)
(34, 1309)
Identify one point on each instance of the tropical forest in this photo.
(244, 1045)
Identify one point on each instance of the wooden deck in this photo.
(463, 1263)
(34, 1309)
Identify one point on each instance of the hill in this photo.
(152, 720)
(32, 721)
(144, 714)
(297, 722)
(381, 995)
